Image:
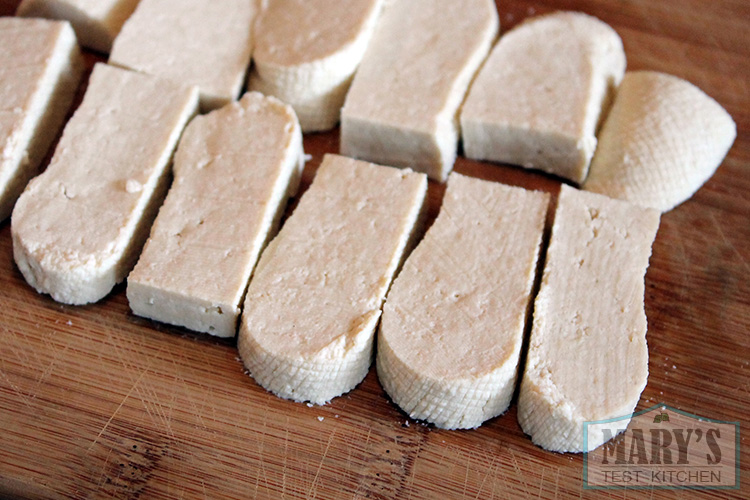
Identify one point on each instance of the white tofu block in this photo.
(306, 53)
(191, 42)
(233, 173)
(587, 358)
(402, 107)
(40, 68)
(662, 141)
(453, 323)
(538, 100)
(78, 228)
(96, 22)
(309, 318)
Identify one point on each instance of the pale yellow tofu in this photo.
(309, 318)
(402, 107)
(662, 141)
(306, 53)
(538, 100)
(453, 323)
(234, 171)
(40, 68)
(96, 22)
(192, 42)
(587, 358)
(78, 228)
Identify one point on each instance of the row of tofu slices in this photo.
(451, 331)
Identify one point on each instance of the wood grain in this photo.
(95, 402)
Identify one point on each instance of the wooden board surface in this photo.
(95, 402)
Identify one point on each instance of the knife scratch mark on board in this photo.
(484, 479)
(312, 493)
(15, 389)
(286, 454)
(519, 473)
(109, 421)
(727, 242)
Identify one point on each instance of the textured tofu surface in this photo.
(233, 172)
(312, 306)
(77, 228)
(96, 22)
(191, 42)
(402, 106)
(453, 322)
(538, 99)
(40, 68)
(587, 358)
(306, 52)
(662, 141)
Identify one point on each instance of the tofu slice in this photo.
(312, 306)
(402, 107)
(539, 98)
(662, 141)
(233, 173)
(306, 53)
(587, 357)
(40, 68)
(78, 228)
(453, 323)
(195, 42)
(96, 22)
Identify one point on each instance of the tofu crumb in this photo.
(69, 323)
(309, 405)
(320, 419)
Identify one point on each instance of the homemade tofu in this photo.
(312, 306)
(233, 173)
(402, 107)
(538, 100)
(306, 52)
(40, 68)
(587, 358)
(78, 228)
(96, 22)
(193, 42)
(453, 323)
(662, 141)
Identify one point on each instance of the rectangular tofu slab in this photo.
(587, 358)
(402, 107)
(233, 172)
(40, 68)
(306, 52)
(311, 309)
(538, 99)
(192, 42)
(663, 139)
(453, 323)
(78, 228)
(96, 22)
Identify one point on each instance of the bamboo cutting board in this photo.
(95, 402)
